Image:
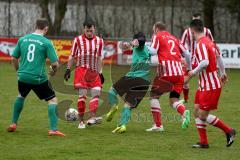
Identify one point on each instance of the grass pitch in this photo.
(30, 141)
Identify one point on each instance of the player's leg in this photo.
(181, 108)
(156, 114)
(81, 106)
(216, 122)
(125, 117)
(46, 92)
(120, 88)
(213, 98)
(201, 125)
(53, 119)
(93, 106)
(155, 106)
(138, 88)
(24, 90)
(113, 101)
(186, 92)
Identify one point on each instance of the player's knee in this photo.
(82, 92)
(173, 102)
(155, 103)
(202, 114)
(95, 91)
(53, 100)
(20, 96)
(186, 86)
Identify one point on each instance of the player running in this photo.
(87, 49)
(134, 85)
(208, 93)
(29, 58)
(170, 51)
(189, 43)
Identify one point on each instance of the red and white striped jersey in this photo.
(189, 42)
(87, 51)
(208, 78)
(169, 50)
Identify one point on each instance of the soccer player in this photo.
(170, 51)
(134, 85)
(87, 49)
(29, 58)
(208, 93)
(189, 43)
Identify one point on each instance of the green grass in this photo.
(30, 141)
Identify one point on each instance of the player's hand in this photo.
(126, 46)
(224, 79)
(67, 74)
(51, 72)
(102, 78)
(190, 75)
(135, 43)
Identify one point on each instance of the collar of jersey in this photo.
(37, 34)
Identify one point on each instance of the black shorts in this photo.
(131, 89)
(43, 91)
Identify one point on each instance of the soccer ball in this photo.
(71, 114)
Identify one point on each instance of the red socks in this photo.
(156, 113)
(185, 93)
(201, 128)
(81, 105)
(93, 105)
(215, 121)
(180, 107)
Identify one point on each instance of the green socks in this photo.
(112, 97)
(126, 115)
(52, 116)
(17, 109)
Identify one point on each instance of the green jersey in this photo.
(140, 63)
(33, 49)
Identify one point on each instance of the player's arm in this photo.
(185, 39)
(153, 48)
(203, 58)
(16, 55)
(210, 35)
(221, 66)
(52, 55)
(15, 63)
(100, 58)
(186, 55)
(71, 57)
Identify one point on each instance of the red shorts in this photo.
(86, 78)
(208, 100)
(167, 84)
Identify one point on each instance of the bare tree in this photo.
(60, 10)
(208, 9)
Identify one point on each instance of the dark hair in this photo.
(140, 36)
(197, 25)
(41, 23)
(196, 15)
(88, 23)
(160, 25)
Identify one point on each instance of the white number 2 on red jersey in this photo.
(172, 44)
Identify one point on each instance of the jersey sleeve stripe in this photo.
(204, 51)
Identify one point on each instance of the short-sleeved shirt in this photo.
(32, 50)
(140, 63)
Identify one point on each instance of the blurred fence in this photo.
(118, 19)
